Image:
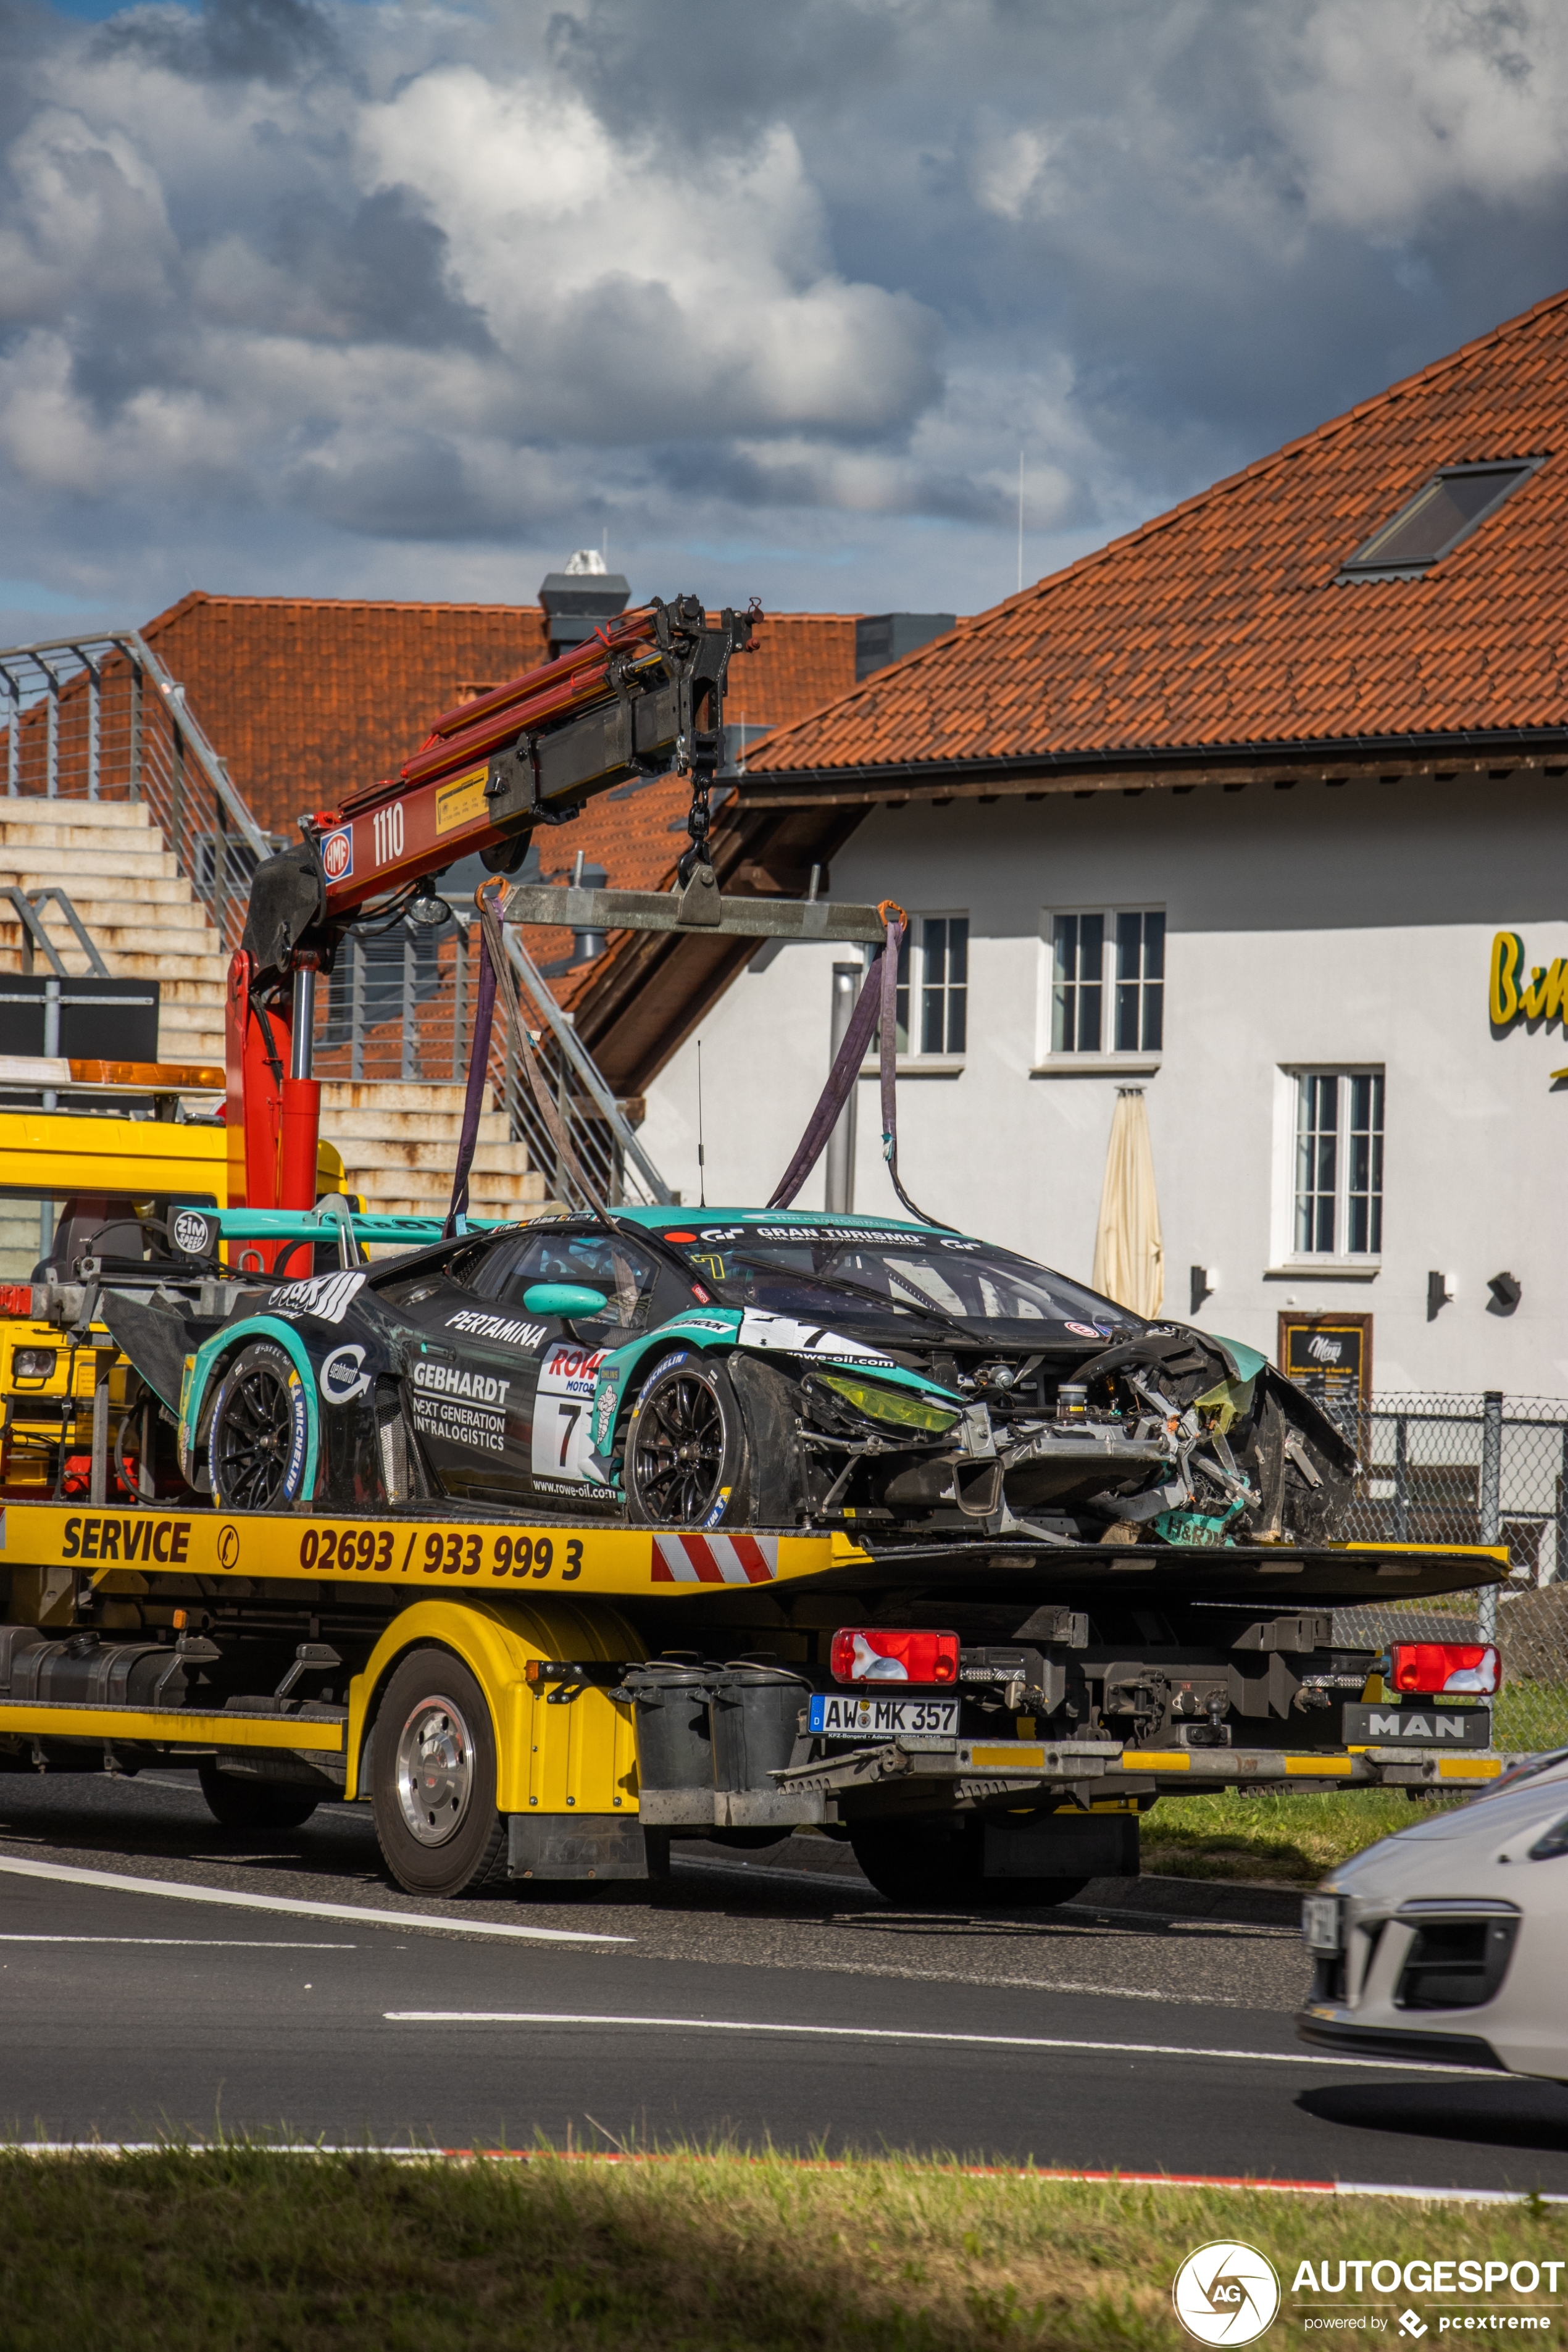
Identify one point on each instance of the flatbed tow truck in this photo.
(543, 1698)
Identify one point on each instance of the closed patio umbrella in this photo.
(1129, 1252)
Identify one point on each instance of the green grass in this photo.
(1531, 1716)
(200, 2253)
(1290, 1838)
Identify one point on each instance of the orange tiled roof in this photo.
(305, 695)
(1220, 623)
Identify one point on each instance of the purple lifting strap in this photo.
(877, 1001)
(479, 1080)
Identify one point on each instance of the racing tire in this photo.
(688, 1455)
(432, 1779)
(259, 1433)
(937, 1866)
(254, 1804)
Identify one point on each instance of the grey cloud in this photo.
(270, 41)
(1144, 242)
(376, 271)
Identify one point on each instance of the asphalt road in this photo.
(154, 1981)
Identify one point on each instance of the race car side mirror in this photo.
(564, 1299)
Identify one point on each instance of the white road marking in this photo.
(122, 1883)
(185, 1943)
(911, 2034)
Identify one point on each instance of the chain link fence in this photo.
(1489, 1469)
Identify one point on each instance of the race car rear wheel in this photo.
(687, 1453)
(432, 1779)
(259, 1432)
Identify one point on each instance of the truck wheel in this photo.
(686, 1456)
(259, 1431)
(922, 1865)
(432, 1779)
(241, 1804)
(937, 1865)
(1026, 1893)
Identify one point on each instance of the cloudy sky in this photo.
(394, 297)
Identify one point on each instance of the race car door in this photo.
(471, 1377)
(561, 1462)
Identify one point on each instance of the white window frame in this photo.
(1287, 1257)
(915, 1054)
(1052, 1058)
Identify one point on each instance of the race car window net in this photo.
(967, 1281)
(609, 1262)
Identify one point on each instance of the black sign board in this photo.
(100, 1020)
(1330, 1355)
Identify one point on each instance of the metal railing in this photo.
(1489, 1469)
(399, 1008)
(99, 718)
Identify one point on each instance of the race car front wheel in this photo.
(432, 1779)
(687, 1455)
(259, 1432)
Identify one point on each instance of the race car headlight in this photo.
(896, 1408)
(1551, 1843)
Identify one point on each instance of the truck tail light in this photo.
(17, 1299)
(862, 1655)
(1462, 1668)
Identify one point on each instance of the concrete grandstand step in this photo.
(511, 1158)
(89, 816)
(144, 919)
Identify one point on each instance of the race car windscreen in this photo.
(820, 1271)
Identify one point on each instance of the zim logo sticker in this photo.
(343, 1376)
(194, 1235)
(338, 855)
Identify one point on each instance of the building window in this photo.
(1339, 1164)
(938, 961)
(1444, 511)
(1108, 981)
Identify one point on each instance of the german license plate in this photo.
(851, 1715)
(1321, 1923)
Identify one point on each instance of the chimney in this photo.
(581, 599)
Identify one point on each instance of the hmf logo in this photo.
(1226, 2293)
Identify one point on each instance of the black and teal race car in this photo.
(720, 1369)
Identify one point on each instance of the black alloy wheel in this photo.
(686, 1447)
(255, 1451)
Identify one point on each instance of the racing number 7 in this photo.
(570, 1414)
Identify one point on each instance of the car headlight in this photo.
(35, 1363)
(897, 1408)
(1551, 1842)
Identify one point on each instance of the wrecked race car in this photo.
(754, 1369)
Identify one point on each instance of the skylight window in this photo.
(1443, 512)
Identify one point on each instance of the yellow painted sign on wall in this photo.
(1542, 997)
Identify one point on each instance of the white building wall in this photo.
(1336, 925)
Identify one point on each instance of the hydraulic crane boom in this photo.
(644, 696)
